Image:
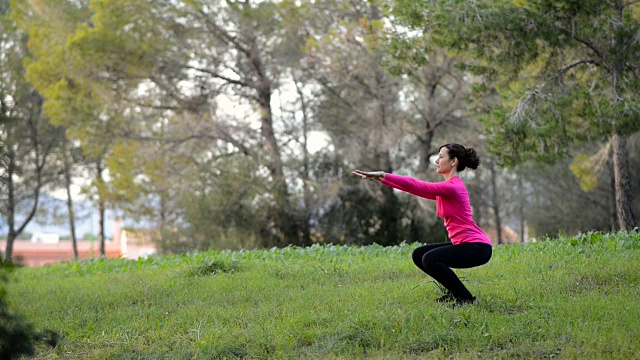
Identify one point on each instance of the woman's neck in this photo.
(450, 175)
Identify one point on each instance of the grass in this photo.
(570, 298)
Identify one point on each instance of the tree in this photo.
(437, 97)
(69, 160)
(557, 204)
(187, 56)
(30, 141)
(28, 137)
(359, 93)
(243, 31)
(566, 73)
(75, 96)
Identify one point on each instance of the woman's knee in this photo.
(421, 252)
(417, 255)
(428, 260)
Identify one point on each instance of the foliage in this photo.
(201, 111)
(557, 201)
(571, 297)
(4, 106)
(582, 167)
(557, 73)
(227, 206)
(29, 140)
(554, 65)
(147, 80)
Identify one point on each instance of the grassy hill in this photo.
(571, 298)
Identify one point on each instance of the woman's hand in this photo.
(370, 175)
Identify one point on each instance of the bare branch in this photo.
(524, 103)
(223, 34)
(421, 111)
(221, 77)
(364, 84)
(326, 85)
(170, 91)
(245, 150)
(575, 64)
(587, 43)
(155, 107)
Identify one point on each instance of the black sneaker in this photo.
(446, 298)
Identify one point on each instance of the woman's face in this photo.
(445, 165)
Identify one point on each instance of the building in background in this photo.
(43, 249)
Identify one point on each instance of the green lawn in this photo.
(571, 298)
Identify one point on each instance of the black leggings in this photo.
(438, 259)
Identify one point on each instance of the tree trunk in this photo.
(285, 220)
(268, 135)
(72, 218)
(390, 227)
(425, 151)
(101, 207)
(306, 171)
(437, 109)
(613, 215)
(624, 202)
(495, 202)
(163, 220)
(624, 197)
(101, 221)
(521, 207)
(8, 251)
(13, 233)
(431, 80)
(12, 169)
(11, 206)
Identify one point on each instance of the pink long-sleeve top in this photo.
(452, 205)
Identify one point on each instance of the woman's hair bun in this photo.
(472, 160)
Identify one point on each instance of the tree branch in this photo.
(576, 64)
(588, 44)
(221, 33)
(221, 77)
(325, 84)
(245, 150)
(364, 84)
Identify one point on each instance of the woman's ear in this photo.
(455, 163)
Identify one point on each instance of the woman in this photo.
(469, 246)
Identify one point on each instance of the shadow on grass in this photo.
(17, 335)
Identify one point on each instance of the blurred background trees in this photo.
(29, 141)
(237, 124)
